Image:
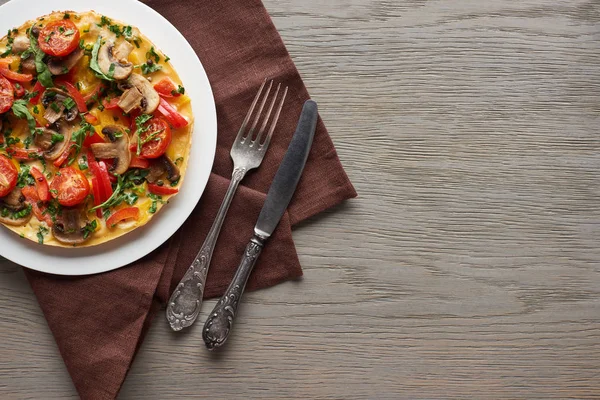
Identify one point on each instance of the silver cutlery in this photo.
(220, 320)
(247, 153)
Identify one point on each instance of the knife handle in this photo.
(220, 320)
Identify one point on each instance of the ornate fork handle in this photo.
(220, 321)
(184, 305)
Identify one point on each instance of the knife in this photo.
(220, 320)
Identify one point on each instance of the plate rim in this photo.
(138, 243)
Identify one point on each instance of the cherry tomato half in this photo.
(157, 138)
(70, 186)
(8, 176)
(7, 95)
(59, 38)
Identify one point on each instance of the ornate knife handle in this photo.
(220, 321)
(184, 305)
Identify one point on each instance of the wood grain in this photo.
(469, 266)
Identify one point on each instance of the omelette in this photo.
(95, 129)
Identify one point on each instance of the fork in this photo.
(247, 153)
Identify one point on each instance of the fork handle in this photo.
(184, 305)
(220, 320)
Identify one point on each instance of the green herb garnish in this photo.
(44, 76)
(20, 110)
(94, 61)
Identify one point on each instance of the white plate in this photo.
(138, 243)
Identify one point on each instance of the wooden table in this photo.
(469, 267)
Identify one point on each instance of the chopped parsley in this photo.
(57, 137)
(152, 54)
(69, 103)
(25, 178)
(43, 231)
(180, 90)
(89, 228)
(83, 163)
(127, 32)
(155, 200)
(104, 21)
(9, 45)
(149, 67)
(23, 213)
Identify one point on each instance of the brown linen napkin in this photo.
(99, 321)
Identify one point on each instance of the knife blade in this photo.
(290, 170)
(220, 321)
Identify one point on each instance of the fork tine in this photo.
(275, 119)
(266, 119)
(249, 114)
(257, 117)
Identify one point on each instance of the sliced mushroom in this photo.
(8, 220)
(14, 200)
(44, 139)
(140, 95)
(69, 229)
(57, 97)
(20, 44)
(9, 205)
(172, 169)
(117, 149)
(112, 66)
(62, 65)
(130, 99)
(122, 51)
(28, 63)
(155, 171)
(160, 166)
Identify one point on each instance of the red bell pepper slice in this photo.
(172, 116)
(94, 94)
(105, 180)
(41, 184)
(92, 120)
(39, 89)
(156, 189)
(137, 162)
(97, 192)
(39, 210)
(12, 75)
(19, 89)
(123, 214)
(95, 138)
(112, 104)
(166, 88)
(23, 154)
(63, 157)
(74, 93)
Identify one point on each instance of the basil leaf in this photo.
(20, 110)
(44, 76)
(94, 61)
